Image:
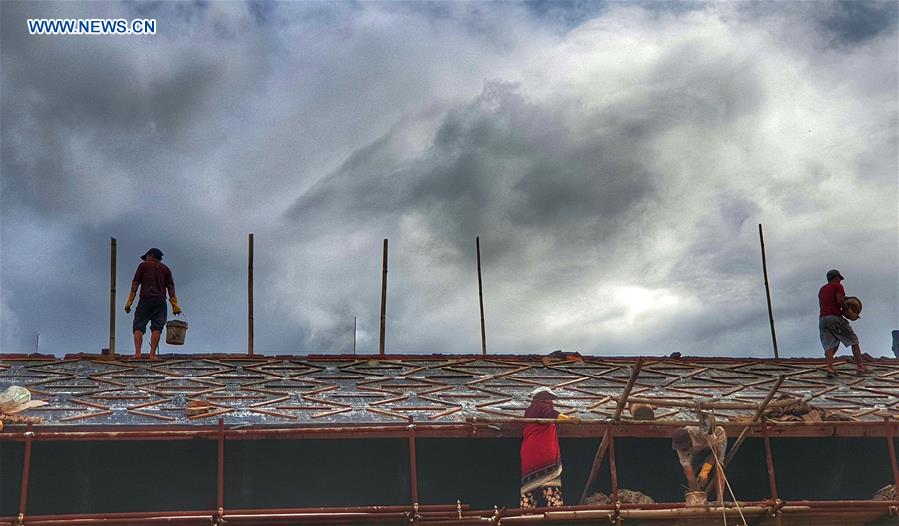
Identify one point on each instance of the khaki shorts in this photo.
(835, 330)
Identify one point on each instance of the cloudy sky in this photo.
(614, 158)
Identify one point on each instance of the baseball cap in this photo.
(155, 252)
(834, 273)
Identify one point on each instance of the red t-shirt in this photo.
(827, 299)
(153, 278)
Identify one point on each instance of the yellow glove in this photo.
(571, 419)
(704, 472)
(129, 302)
(176, 309)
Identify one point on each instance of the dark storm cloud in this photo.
(854, 22)
(499, 164)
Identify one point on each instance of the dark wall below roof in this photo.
(91, 477)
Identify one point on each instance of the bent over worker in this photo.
(541, 460)
(154, 278)
(695, 453)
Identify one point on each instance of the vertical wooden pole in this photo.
(413, 469)
(606, 441)
(112, 266)
(250, 298)
(891, 446)
(383, 302)
(354, 336)
(597, 463)
(477, 242)
(613, 468)
(768, 291)
(26, 470)
(220, 491)
(772, 480)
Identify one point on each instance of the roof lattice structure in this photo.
(286, 391)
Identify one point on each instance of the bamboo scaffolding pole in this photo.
(769, 461)
(455, 429)
(220, 489)
(597, 464)
(26, 471)
(768, 292)
(606, 441)
(759, 412)
(250, 334)
(413, 469)
(891, 446)
(613, 468)
(112, 291)
(477, 241)
(383, 303)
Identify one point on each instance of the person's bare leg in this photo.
(859, 364)
(154, 343)
(829, 355)
(138, 341)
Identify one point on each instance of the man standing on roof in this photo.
(832, 326)
(153, 278)
(541, 460)
(695, 453)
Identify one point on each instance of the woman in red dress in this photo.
(541, 461)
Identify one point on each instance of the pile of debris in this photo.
(13, 401)
(886, 493)
(792, 409)
(625, 496)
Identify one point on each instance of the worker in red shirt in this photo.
(833, 326)
(154, 279)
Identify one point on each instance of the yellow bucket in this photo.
(175, 332)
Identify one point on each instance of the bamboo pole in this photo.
(354, 336)
(26, 471)
(413, 469)
(755, 418)
(772, 479)
(112, 279)
(220, 489)
(613, 468)
(606, 441)
(891, 446)
(250, 297)
(597, 463)
(768, 292)
(383, 302)
(477, 242)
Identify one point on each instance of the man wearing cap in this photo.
(695, 453)
(153, 278)
(833, 326)
(541, 460)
